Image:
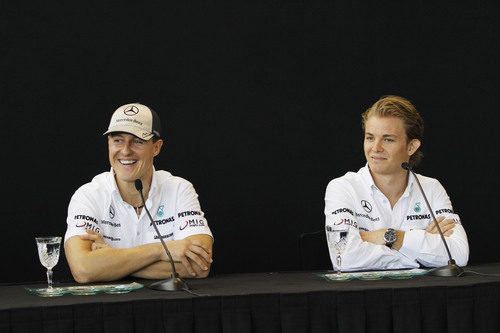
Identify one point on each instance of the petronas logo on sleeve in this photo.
(417, 207)
(160, 211)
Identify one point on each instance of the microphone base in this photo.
(449, 270)
(174, 283)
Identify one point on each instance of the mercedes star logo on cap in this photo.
(131, 110)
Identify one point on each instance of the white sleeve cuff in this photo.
(412, 243)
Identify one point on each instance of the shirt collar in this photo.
(368, 179)
(112, 182)
(154, 184)
(409, 186)
(114, 188)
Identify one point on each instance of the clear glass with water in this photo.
(337, 240)
(48, 252)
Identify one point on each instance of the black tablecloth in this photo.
(270, 302)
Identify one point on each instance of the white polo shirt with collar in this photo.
(172, 202)
(354, 200)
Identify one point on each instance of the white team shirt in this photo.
(172, 203)
(354, 200)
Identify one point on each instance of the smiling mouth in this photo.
(127, 162)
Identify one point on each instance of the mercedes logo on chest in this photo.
(366, 206)
(111, 212)
(131, 110)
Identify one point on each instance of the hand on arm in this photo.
(446, 226)
(192, 247)
(193, 252)
(426, 246)
(192, 258)
(96, 238)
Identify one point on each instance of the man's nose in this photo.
(126, 149)
(377, 145)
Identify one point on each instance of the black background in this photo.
(261, 107)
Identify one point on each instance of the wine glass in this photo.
(337, 240)
(48, 252)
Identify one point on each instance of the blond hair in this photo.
(395, 106)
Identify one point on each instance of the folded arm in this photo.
(360, 253)
(107, 263)
(426, 246)
(90, 259)
(194, 258)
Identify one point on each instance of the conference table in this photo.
(299, 301)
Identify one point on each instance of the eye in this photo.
(369, 138)
(138, 142)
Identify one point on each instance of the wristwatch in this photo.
(390, 237)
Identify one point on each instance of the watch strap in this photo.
(389, 243)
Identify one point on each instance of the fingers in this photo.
(199, 271)
(95, 238)
(193, 255)
(193, 260)
(446, 226)
(201, 251)
(197, 260)
(92, 235)
(185, 262)
(432, 225)
(432, 228)
(98, 245)
(202, 245)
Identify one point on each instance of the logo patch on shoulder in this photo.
(160, 211)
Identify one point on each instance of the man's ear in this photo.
(413, 146)
(157, 146)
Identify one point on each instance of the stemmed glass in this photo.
(337, 239)
(48, 252)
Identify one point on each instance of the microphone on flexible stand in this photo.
(452, 269)
(174, 282)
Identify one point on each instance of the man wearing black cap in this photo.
(109, 234)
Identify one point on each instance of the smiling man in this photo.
(381, 205)
(109, 235)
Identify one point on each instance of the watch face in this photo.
(390, 236)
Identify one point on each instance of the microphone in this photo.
(174, 282)
(452, 269)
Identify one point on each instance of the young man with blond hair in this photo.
(389, 224)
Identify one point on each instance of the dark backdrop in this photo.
(261, 104)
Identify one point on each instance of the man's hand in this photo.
(194, 255)
(96, 238)
(446, 226)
